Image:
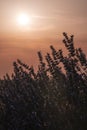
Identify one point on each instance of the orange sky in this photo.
(49, 18)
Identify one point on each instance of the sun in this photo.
(23, 19)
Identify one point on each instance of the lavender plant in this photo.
(54, 97)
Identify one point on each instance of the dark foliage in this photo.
(53, 98)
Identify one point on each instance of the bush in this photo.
(53, 98)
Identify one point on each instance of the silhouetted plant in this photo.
(54, 97)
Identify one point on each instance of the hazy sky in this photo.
(48, 19)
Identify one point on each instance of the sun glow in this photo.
(23, 19)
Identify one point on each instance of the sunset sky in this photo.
(43, 25)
